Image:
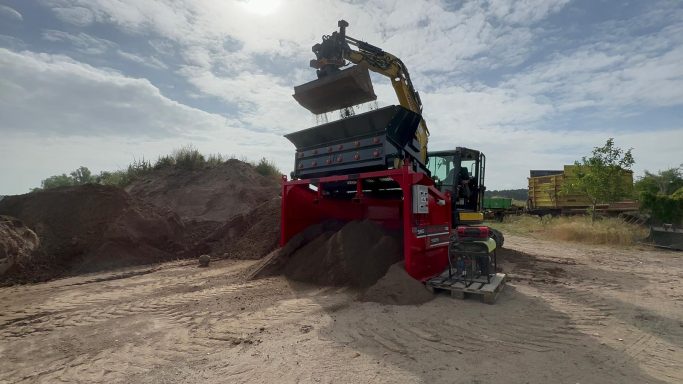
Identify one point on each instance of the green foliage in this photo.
(215, 160)
(188, 157)
(665, 209)
(663, 182)
(678, 194)
(80, 176)
(136, 169)
(600, 176)
(267, 168)
(116, 178)
(55, 181)
(164, 162)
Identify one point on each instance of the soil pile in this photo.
(207, 194)
(17, 242)
(357, 255)
(251, 235)
(397, 287)
(275, 262)
(91, 227)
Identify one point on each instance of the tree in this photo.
(600, 176)
(55, 181)
(664, 182)
(82, 176)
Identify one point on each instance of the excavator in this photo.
(375, 165)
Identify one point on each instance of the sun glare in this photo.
(261, 7)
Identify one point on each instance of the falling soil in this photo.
(357, 255)
(397, 287)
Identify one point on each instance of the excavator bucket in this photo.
(351, 86)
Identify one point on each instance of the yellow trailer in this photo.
(545, 190)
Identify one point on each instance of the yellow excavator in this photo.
(460, 171)
(344, 88)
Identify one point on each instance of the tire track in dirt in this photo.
(165, 301)
(595, 315)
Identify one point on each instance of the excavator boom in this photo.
(338, 88)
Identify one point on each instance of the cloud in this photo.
(78, 16)
(627, 73)
(66, 113)
(504, 76)
(525, 11)
(76, 99)
(10, 13)
(11, 42)
(150, 61)
(83, 42)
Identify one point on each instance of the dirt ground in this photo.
(571, 314)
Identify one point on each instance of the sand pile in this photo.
(90, 228)
(208, 194)
(397, 287)
(357, 255)
(17, 242)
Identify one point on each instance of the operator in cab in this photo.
(463, 179)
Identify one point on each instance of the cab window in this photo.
(441, 168)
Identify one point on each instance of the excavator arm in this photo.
(335, 52)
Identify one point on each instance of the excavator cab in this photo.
(460, 173)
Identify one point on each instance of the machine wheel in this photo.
(498, 237)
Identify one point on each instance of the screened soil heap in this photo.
(357, 255)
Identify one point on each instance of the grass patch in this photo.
(606, 230)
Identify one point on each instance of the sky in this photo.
(534, 84)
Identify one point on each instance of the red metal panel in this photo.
(425, 256)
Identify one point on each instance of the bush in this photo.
(678, 194)
(188, 157)
(80, 176)
(164, 162)
(664, 209)
(215, 160)
(267, 168)
(55, 181)
(116, 178)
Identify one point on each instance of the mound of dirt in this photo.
(208, 194)
(357, 255)
(397, 287)
(274, 263)
(251, 235)
(89, 228)
(17, 242)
